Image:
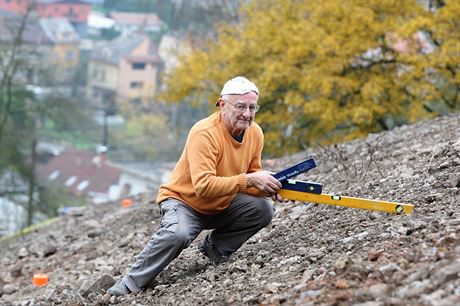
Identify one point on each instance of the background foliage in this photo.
(332, 70)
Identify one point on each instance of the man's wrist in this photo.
(249, 180)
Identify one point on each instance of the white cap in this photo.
(238, 86)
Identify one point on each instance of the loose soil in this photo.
(311, 254)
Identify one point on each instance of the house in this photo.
(76, 11)
(82, 173)
(49, 48)
(90, 175)
(129, 23)
(124, 69)
(98, 22)
(170, 48)
(65, 48)
(35, 46)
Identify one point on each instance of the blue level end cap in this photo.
(302, 186)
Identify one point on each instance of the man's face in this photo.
(238, 111)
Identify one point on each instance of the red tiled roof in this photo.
(84, 166)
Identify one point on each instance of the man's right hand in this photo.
(264, 181)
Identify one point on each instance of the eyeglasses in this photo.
(241, 107)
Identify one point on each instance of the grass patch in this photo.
(29, 229)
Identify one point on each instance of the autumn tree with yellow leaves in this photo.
(332, 70)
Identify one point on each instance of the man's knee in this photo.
(175, 236)
(182, 237)
(265, 210)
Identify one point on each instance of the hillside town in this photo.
(100, 61)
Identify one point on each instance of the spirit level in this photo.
(312, 192)
(391, 207)
(302, 186)
(295, 170)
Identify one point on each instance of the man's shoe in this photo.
(208, 249)
(119, 289)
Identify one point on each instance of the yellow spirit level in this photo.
(305, 196)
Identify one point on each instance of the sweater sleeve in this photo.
(256, 162)
(203, 153)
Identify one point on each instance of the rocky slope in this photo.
(311, 254)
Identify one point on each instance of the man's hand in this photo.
(277, 197)
(264, 181)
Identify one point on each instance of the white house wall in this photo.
(138, 185)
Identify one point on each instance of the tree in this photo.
(21, 112)
(332, 70)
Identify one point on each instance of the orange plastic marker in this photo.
(127, 203)
(40, 279)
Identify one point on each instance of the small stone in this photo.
(447, 273)
(16, 270)
(379, 290)
(341, 284)
(341, 263)
(10, 288)
(453, 181)
(403, 230)
(310, 293)
(49, 250)
(413, 289)
(456, 146)
(388, 269)
(103, 282)
(308, 275)
(106, 298)
(457, 249)
(374, 255)
(272, 287)
(23, 252)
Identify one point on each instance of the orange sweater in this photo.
(213, 166)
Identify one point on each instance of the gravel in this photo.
(311, 254)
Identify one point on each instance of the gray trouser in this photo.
(180, 225)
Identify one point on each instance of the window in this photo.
(82, 185)
(70, 181)
(138, 66)
(69, 55)
(54, 175)
(68, 73)
(136, 84)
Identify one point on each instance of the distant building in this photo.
(36, 47)
(97, 22)
(76, 11)
(65, 48)
(124, 69)
(49, 48)
(129, 23)
(90, 175)
(170, 47)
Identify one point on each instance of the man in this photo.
(218, 184)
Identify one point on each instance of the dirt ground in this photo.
(311, 254)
